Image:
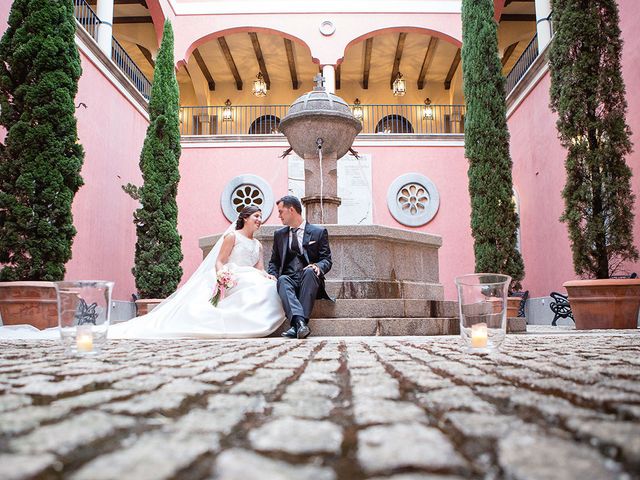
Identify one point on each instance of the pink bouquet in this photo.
(224, 281)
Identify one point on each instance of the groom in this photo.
(300, 259)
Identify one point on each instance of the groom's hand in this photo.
(314, 267)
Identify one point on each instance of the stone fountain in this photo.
(385, 280)
(320, 129)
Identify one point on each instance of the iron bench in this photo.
(560, 307)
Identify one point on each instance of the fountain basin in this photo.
(320, 114)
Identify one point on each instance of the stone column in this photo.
(329, 74)
(326, 211)
(543, 24)
(104, 10)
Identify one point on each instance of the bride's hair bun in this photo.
(245, 213)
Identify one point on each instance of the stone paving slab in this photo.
(406, 408)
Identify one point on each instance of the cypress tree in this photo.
(158, 254)
(587, 92)
(40, 160)
(494, 222)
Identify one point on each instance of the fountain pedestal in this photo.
(321, 199)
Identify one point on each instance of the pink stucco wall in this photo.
(629, 23)
(539, 176)
(447, 168)
(4, 15)
(111, 131)
(206, 171)
(538, 173)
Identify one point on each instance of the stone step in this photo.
(382, 288)
(365, 327)
(384, 307)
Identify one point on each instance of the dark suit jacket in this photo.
(315, 242)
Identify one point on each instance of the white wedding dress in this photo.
(252, 308)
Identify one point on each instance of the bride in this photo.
(252, 308)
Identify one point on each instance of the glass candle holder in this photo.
(84, 313)
(482, 300)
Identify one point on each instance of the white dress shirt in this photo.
(300, 234)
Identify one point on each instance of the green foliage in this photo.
(587, 92)
(158, 253)
(40, 160)
(494, 222)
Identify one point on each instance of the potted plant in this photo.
(158, 251)
(40, 159)
(588, 93)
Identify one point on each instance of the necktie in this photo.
(295, 246)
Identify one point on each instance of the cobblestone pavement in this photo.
(546, 407)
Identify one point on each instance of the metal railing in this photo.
(122, 59)
(86, 17)
(527, 58)
(411, 119)
(233, 120)
(522, 65)
(265, 120)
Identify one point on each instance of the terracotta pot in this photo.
(604, 303)
(32, 303)
(513, 305)
(145, 305)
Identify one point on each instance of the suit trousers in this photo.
(298, 293)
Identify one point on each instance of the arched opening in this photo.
(394, 123)
(265, 124)
(427, 62)
(219, 77)
(225, 64)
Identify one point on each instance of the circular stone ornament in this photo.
(327, 28)
(245, 190)
(413, 199)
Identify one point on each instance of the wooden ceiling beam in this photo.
(426, 63)
(368, 47)
(124, 20)
(518, 17)
(130, 2)
(452, 70)
(230, 62)
(509, 2)
(396, 61)
(508, 52)
(260, 58)
(205, 71)
(288, 45)
(147, 55)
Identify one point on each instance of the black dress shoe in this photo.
(303, 330)
(291, 333)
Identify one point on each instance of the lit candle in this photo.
(479, 335)
(84, 338)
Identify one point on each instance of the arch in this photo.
(394, 123)
(158, 18)
(230, 31)
(421, 30)
(264, 124)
